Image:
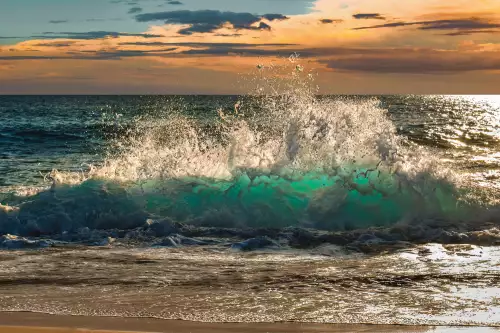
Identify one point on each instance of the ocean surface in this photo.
(265, 207)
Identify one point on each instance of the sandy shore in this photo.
(40, 323)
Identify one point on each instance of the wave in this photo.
(282, 157)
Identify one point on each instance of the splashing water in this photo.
(282, 157)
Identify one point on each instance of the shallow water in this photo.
(430, 284)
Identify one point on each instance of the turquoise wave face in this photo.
(352, 198)
(357, 198)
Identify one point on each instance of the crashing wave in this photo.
(282, 157)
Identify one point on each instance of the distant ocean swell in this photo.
(281, 158)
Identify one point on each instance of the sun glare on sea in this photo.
(493, 100)
(491, 103)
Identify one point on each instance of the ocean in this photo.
(282, 206)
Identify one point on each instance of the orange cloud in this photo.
(361, 58)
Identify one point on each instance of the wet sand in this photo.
(25, 322)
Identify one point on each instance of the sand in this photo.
(21, 322)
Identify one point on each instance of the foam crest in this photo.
(281, 127)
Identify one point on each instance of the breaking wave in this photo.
(281, 157)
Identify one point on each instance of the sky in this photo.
(206, 46)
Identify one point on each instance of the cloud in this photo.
(174, 2)
(261, 26)
(55, 44)
(26, 57)
(369, 16)
(272, 17)
(205, 44)
(94, 55)
(9, 37)
(330, 21)
(205, 21)
(228, 35)
(256, 49)
(415, 61)
(58, 21)
(91, 35)
(230, 51)
(467, 24)
(135, 10)
(102, 19)
(388, 25)
(470, 32)
(419, 61)
(348, 59)
(119, 54)
(461, 26)
(223, 49)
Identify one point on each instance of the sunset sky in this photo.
(204, 46)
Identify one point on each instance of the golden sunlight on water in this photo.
(492, 102)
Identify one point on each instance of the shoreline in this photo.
(31, 322)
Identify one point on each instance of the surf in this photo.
(281, 157)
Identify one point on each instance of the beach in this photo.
(23, 322)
